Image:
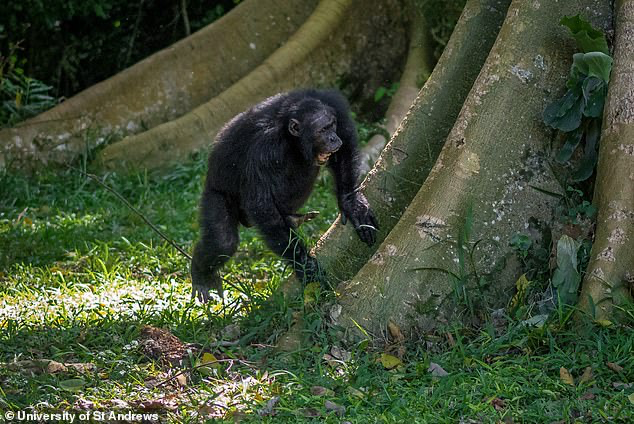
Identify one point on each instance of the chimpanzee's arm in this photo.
(279, 235)
(344, 165)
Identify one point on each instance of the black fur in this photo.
(262, 168)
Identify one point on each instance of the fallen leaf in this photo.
(389, 361)
(335, 311)
(330, 360)
(436, 370)
(206, 364)
(81, 367)
(587, 396)
(83, 404)
(352, 391)
(630, 397)
(157, 404)
(340, 410)
(53, 367)
(341, 354)
(620, 385)
(310, 412)
(450, 340)
(269, 408)
(118, 403)
(395, 332)
(566, 377)
(498, 404)
(181, 379)
(603, 322)
(586, 377)
(614, 367)
(321, 391)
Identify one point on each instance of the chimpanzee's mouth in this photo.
(322, 158)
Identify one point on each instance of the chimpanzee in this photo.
(262, 168)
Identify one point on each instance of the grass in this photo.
(80, 276)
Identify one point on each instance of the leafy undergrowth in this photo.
(85, 287)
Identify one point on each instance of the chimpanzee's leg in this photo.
(284, 241)
(218, 242)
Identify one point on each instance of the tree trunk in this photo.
(610, 273)
(407, 159)
(417, 69)
(339, 36)
(450, 248)
(161, 87)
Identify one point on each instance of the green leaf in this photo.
(594, 91)
(594, 64)
(566, 278)
(588, 38)
(572, 141)
(565, 114)
(521, 242)
(72, 385)
(380, 92)
(585, 169)
(590, 156)
(389, 361)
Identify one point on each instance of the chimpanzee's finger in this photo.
(373, 220)
(344, 220)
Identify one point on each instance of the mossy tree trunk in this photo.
(341, 37)
(450, 248)
(409, 156)
(160, 88)
(610, 274)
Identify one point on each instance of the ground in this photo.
(82, 278)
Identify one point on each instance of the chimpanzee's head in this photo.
(315, 125)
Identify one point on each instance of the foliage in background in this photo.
(441, 17)
(21, 97)
(72, 44)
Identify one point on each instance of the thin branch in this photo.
(135, 210)
(188, 29)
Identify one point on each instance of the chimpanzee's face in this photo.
(318, 134)
(323, 127)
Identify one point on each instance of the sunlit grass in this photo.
(80, 276)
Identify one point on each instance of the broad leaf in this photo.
(594, 91)
(565, 114)
(588, 39)
(590, 156)
(389, 361)
(593, 64)
(566, 278)
(572, 141)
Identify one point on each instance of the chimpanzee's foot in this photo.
(311, 272)
(202, 284)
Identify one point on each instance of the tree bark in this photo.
(610, 273)
(417, 69)
(338, 36)
(450, 247)
(407, 159)
(161, 87)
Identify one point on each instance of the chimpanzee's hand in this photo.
(355, 207)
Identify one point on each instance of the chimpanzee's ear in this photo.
(293, 127)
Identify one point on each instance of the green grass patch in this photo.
(80, 276)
